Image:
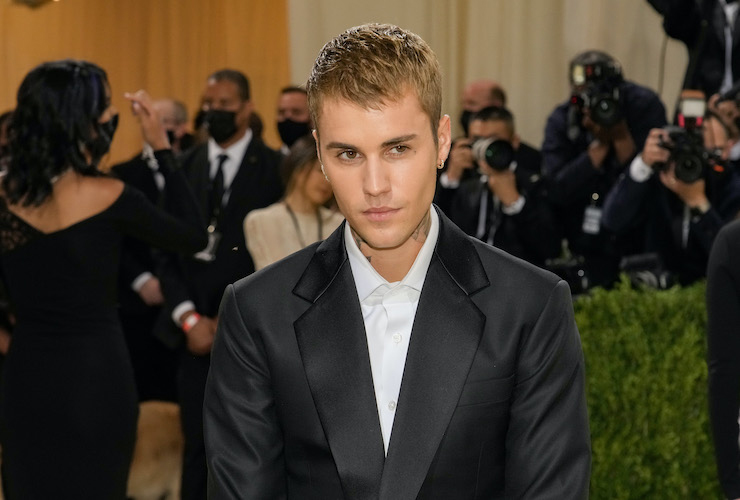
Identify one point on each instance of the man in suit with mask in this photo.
(293, 120)
(231, 174)
(400, 358)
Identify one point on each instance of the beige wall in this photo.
(525, 44)
(166, 46)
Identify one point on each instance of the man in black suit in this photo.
(232, 174)
(139, 292)
(400, 358)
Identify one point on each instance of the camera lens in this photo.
(689, 167)
(496, 153)
(605, 111)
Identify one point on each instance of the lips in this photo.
(380, 214)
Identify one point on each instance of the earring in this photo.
(323, 172)
(441, 166)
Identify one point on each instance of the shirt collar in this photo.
(235, 152)
(367, 278)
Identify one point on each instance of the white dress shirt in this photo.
(235, 155)
(388, 311)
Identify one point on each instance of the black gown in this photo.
(69, 404)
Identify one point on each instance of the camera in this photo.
(496, 153)
(596, 88)
(688, 154)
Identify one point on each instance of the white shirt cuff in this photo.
(515, 207)
(639, 170)
(140, 280)
(446, 182)
(181, 309)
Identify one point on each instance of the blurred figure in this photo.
(723, 358)
(506, 205)
(590, 140)
(709, 29)
(69, 409)
(301, 217)
(139, 290)
(232, 173)
(678, 193)
(293, 120)
(480, 94)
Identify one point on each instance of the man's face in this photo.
(715, 137)
(382, 165)
(224, 95)
(168, 115)
(293, 106)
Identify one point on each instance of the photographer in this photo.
(678, 193)
(505, 204)
(589, 140)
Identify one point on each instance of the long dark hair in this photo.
(55, 119)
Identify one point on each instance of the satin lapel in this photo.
(333, 347)
(445, 337)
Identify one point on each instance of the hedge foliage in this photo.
(646, 379)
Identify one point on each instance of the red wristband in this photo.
(190, 322)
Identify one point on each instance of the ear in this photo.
(444, 139)
(315, 134)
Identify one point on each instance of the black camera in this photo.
(596, 88)
(496, 153)
(688, 154)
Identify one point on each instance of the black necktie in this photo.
(217, 187)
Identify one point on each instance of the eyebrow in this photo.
(389, 142)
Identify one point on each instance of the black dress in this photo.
(69, 404)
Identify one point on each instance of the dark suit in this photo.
(154, 364)
(256, 185)
(492, 401)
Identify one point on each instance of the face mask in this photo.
(464, 119)
(100, 145)
(221, 124)
(290, 131)
(171, 137)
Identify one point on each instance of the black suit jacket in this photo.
(257, 184)
(492, 401)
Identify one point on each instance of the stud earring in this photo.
(441, 166)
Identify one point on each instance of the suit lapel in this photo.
(246, 178)
(445, 337)
(331, 339)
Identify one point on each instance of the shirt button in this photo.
(397, 338)
(392, 405)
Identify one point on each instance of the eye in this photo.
(347, 154)
(399, 149)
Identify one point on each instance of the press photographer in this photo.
(679, 192)
(590, 139)
(505, 204)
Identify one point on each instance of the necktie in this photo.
(217, 187)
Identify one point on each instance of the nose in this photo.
(376, 180)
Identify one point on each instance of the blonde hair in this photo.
(373, 64)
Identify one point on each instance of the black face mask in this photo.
(290, 131)
(100, 145)
(171, 137)
(464, 119)
(221, 124)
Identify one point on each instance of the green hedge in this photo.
(646, 381)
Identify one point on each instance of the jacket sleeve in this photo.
(548, 442)
(244, 446)
(723, 341)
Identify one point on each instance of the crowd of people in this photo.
(121, 274)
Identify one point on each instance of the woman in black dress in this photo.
(69, 406)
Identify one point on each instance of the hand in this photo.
(4, 341)
(653, 152)
(199, 338)
(152, 127)
(503, 185)
(460, 159)
(151, 292)
(692, 194)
